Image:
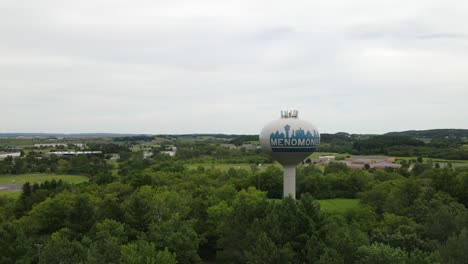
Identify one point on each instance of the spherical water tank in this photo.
(289, 140)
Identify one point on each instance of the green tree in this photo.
(247, 205)
(177, 236)
(139, 208)
(142, 252)
(81, 216)
(462, 188)
(48, 216)
(455, 250)
(377, 196)
(331, 256)
(270, 180)
(419, 168)
(445, 219)
(335, 167)
(14, 244)
(61, 250)
(63, 166)
(265, 251)
(105, 247)
(344, 239)
(380, 253)
(218, 215)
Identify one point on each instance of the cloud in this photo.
(214, 66)
(444, 36)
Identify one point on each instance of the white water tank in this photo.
(289, 140)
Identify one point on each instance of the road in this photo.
(10, 187)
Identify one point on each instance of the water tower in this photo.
(289, 140)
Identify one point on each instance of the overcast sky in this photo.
(231, 66)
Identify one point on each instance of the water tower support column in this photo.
(289, 181)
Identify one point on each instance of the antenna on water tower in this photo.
(289, 140)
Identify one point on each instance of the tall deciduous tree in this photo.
(142, 252)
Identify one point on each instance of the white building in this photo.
(72, 153)
(326, 158)
(171, 151)
(50, 145)
(230, 146)
(10, 154)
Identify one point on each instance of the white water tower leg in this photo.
(289, 181)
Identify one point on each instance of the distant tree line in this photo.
(243, 139)
(143, 138)
(444, 148)
(108, 148)
(433, 133)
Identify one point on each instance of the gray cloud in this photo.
(210, 66)
(444, 36)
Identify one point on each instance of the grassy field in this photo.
(13, 195)
(225, 166)
(38, 178)
(338, 205)
(115, 167)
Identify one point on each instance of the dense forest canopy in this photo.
(215, 204)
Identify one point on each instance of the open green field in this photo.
(225, 166)
(338, 205)
(13, 195)
(39, 178)
(115, 167)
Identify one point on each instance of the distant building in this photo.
(9, 154)
(326, 158)
(323, 160)
(72, 153)
(382, 165)
(50, 145)
(370, 159)
(230, 146)
(248, 146)
(171, 151)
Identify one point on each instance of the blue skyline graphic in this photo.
(294, 140)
